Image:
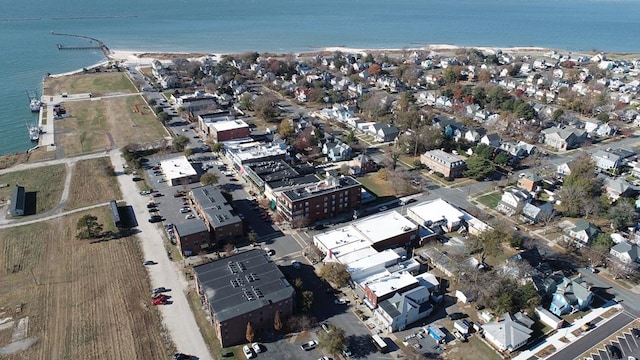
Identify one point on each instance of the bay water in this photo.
(28, 49)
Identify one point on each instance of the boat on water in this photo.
(35, 105)
(34, 133)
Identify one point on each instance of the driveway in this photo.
(177, 317)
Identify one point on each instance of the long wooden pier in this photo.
(100, 45)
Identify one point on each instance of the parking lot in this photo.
(625, 345)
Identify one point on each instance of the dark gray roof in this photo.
(215, 206)
(189, 227)
(273, 170)
(301, 180)
(18, 199)
(242, 283)
(327, 188)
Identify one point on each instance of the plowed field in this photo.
(84, 300)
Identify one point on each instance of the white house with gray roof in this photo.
(509, 332)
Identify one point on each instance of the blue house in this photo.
(571, 295)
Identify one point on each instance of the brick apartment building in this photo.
(323, 200)
(228, 130)
(449, 165)
(242, 288)
(220, 218)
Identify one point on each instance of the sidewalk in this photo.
(567, 333)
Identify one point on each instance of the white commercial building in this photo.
(247, 151)
(440, 216)
(178, 171)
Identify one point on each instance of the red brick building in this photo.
(227, 130)
(323, 200)
(242, 288)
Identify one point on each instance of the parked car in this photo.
(181, 356)
(159, 290)
(382, 208)
(159, 301)
(457, 316)
(137, 179)
(270, 252)
(296, 264)
(149, 262)
(157, 194)
(614, 352)
(636, 333)
(309, 345)
(190, 216)
(346, 352)
(247, 352)
(185, 210)
(325, 327)
(160, 296)
(155, 219)
(256, 347)
(145, 192)
(342, 301)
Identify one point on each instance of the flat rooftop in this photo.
(387, 283)
(273, 170)
(328, 185)
(177, 168)
(242, 283)
(378, 260)
(342, 240)
(225, 125)
(383, 226)
(436, 210)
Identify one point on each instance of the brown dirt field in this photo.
(116, 122)
(84, 300)
(92, 183)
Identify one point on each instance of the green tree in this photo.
(557, 114)
(335, 273)
(504, 303)
(180, 142)
(351, 137)
(333, 340)
(188, 152)
(451, 74)
(88, 227)
(208, 179)
(217, 147)
(501, 159)
(603, 242)
(250, 335)
(163, 117)
(621, 215)
(525, 111)
(478, 167)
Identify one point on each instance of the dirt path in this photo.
(177, 317)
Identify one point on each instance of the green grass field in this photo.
(490, 200)
(46, 182)
(98, 84)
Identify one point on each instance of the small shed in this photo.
(18, 201)
(437, 334)
(548, 318)
(464, 296)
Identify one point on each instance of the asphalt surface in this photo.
(594, 337)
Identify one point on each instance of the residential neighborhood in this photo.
(387, 205)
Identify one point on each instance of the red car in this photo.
(160, 296)
(159, 301)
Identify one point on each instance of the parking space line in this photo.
(625, 346)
